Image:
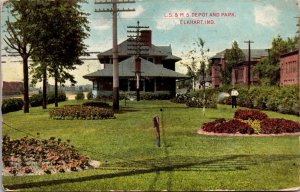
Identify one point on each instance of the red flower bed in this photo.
(275, 125)
(250, 115)
(211, 126)
(231, 126)
(245, 121)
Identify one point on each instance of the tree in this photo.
(198, 54)
(60, 42)
(232, 57)
(269, 67)
(21, 31)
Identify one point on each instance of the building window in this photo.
(123, 84)
(132, 85)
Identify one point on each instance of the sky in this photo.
(179, 23)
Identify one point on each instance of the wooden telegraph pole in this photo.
(249, 62)
(114, 10)
(137, 44)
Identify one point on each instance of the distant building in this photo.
(12, 88)
(289, 68)
(240, 72)
(158, 69)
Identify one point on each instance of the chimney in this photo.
(146, 37)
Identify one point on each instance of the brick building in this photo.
(158, 73)
(289, 68)
(240, 72)
(13, 87)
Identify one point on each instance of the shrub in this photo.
(79, 112)
(36, 100)
(231, 126)
(277, 125)
(61, 96)
(90, 95)
(12, 104)
(180, 98)
(96, 104)
(155, 96)
(79, 96)
(196, 99)
(249, 115)
(199, 102)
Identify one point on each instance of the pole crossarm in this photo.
(111, 2)
(111, 10)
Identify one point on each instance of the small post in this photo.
(157, 131)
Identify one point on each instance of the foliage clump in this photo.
(11, 105)
(197, 99)
(273, 98)
(250, 115)
(279, 125)
(231, 126)
(96, 104)
(79, 96)
(37, 99)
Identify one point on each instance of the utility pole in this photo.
(137, 44)
(249, 62)
(114, 10)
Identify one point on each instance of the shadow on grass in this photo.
(168, 164)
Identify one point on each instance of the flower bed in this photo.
(29, 156)
(231, 126)
(252, 121)
(81, 112)
(275, 125)
(250, 114)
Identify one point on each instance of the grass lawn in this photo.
(130, 160)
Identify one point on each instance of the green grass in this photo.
(186, 161)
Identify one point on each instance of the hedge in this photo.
(37, 99)
(196, 99)
(79, 96)
(96, 104)
(143, 96)
(280, 99)
(11, 105)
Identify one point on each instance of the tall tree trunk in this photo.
(45, 87)
(55, 87)
(26, 86)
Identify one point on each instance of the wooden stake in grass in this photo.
(156, 126)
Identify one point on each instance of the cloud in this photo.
(138, 10)
(168, 23)
(266, 15)
(100, 24)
